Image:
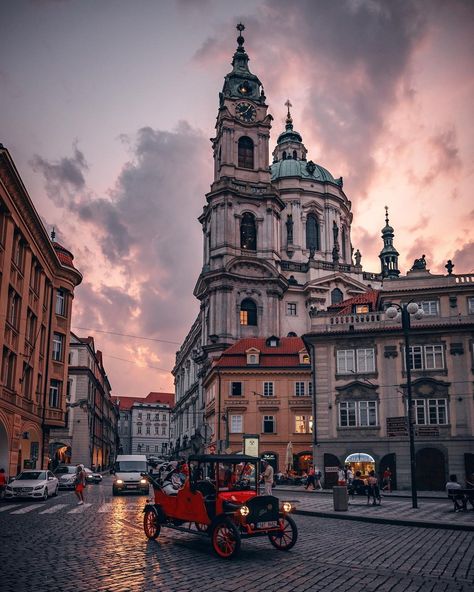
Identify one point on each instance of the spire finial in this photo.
(53, 235)
(386, 215)
(240, 40)
(288, 115)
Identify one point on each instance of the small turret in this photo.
(389, 254)
(290, 143)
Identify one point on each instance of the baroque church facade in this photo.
(277, 243)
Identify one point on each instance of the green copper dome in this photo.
(303, 169)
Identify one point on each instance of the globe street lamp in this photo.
(411, 309)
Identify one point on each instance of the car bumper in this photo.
(131, 487)
(24, 494)
(67, 486)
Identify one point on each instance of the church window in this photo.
(312, 233)
(336, 296)
(248, 232)
(248, 312)
(283, 156)
(246, 153)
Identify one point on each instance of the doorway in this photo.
(430, 470)
(389, 461)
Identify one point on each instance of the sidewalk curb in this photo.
(380, 520)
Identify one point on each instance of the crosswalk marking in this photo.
(9, 507)
(54, 509)
(104, 508)
(26, 509)
(79, 509)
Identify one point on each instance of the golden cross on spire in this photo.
(288, 104)
(386, 214)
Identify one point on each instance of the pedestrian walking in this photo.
(310, 480)
(387, 480)
(80, 483)
(459, 499)
(267, 477)
(317, 477)
(3, 482)
(373, 489)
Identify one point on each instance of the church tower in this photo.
(389, 254)
(240, 284)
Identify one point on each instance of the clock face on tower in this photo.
(245, 112)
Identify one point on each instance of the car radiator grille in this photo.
(263, 508)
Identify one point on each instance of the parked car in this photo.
(66, 475)
(32, 483)
(219, 499)
(92, 476)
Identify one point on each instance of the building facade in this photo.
(360, 379)
(37, 281)
(90, 435)
(276, 242)
(263, 387)
(145, 424)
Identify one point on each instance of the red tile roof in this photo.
(286, 354)
(64, 256)
(153, 397)
(346, 306)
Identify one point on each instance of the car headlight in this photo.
(287, 507)
(119, 481)
(244, 510)
(143, 481)
(39, 487)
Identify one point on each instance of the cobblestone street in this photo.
(61, 546)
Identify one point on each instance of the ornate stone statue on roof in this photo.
(419, 263)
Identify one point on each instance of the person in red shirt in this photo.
(387, 480)
(3, 482)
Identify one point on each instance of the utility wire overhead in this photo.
(125, 335)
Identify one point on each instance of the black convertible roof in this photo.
(230, 458)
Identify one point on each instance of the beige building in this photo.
(90, 435)
(361, 387)
(37, 281)
(262, 387)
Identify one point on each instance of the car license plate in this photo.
(132, 486)
(270, 524)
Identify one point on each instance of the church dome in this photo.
(302, 169)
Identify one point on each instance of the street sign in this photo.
(251, 444)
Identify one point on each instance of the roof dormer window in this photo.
(304, 357)
(273, 341)
(253, 356)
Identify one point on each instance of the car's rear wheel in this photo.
(150, 524)
(56, 491)
(285, 538)
(225, 539)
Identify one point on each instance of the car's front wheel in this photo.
(150, 524)
(225, 539)
(45, 494)
(285, 538)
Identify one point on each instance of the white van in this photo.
(127, 474)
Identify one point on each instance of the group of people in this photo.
(313, 478)
(370, 487)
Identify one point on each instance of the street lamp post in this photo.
(407, 311)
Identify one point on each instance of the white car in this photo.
(32, 484)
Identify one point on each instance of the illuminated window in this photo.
(248, 312)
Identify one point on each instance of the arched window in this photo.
(245, 153)
(248, 312)
(248, 232)
(312, 233)
(336, 296)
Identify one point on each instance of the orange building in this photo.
(37, 281)
(262, 387)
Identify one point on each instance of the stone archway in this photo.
(4, 449)
(430, 470)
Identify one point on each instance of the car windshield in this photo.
(34, 476)
(130, 466)
(65, 470)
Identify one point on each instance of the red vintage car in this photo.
(219, 498)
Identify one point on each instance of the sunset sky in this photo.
(107, 107)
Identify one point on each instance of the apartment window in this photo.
(431, 411)
(148, 416)
(357, 414)
(470, 305)
(299, 389)
(147, 430)
(147, 448)
(31, 327)
(355, 361)
(27, 380)
(268, 390)
(362, 309)
(163, 430)
(60, 307)
(157, 417)
(236, 424)
(140, 415)
(236, 389)
(54, 393)
(157, 430)
(14, 307)
(157, 448)
(164, 417)
(303, 424)
(426, 357)
(291, 309)
(310, 388)
(269, 426)
(429, 307)
(139, 429)
(58, 347)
